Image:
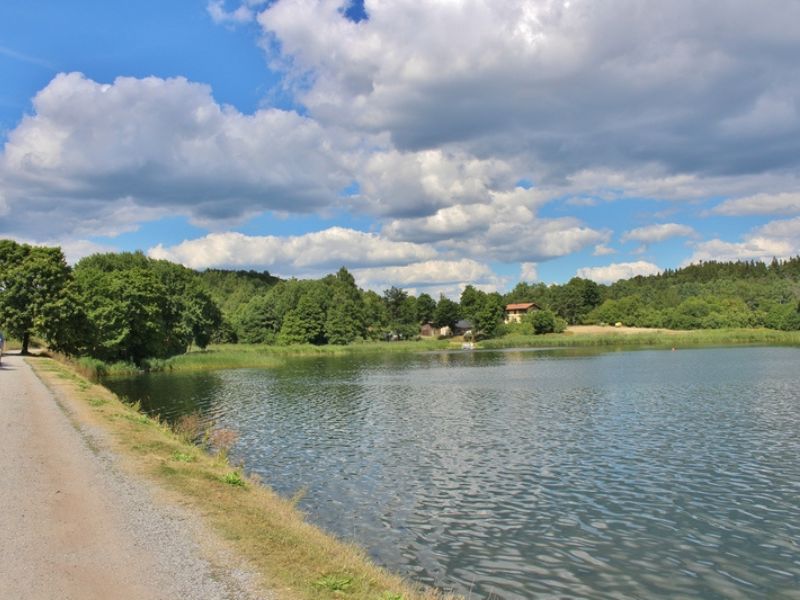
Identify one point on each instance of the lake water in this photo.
(527, 474)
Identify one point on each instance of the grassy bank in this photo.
(249, 356)
(245, 356)
(296, 560)
(654, 339)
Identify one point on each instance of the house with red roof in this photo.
(515, 312)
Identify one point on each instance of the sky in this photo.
(427, 144)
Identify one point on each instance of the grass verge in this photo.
(249, 356)
(296, 559)
(245, 356)
(653, 339)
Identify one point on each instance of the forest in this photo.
(129, 307)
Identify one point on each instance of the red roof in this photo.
(522, 306)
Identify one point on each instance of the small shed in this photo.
(463, 326)
(428, 330)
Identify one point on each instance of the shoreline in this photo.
(293, 559)
(245, 356)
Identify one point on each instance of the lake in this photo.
(526, 474)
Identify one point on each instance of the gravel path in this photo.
(73, 525)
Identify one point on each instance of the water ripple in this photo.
(534, 474)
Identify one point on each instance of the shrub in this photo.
(234, 478)
(542, 321)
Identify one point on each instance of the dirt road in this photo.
(73, 526)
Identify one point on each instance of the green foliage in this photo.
(485, 311)
(785, 317)
(426, 308)
(343, 325)
(376, 315)
(471, 302)
(304, 324)
(709, 295)
(447, 313)
(35, 298)
(137, 308)
(335, 582)
(576, 299)
(489, 314)
(395, 299)
(232, 290)
(541, 321)
(183, 457)
(259, 322)
(234, 478)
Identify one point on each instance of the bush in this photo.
(542, 321)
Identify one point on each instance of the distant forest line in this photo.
(128, 307)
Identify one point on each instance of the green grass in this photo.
(655, 339)
(242, 356)
(94, 369)
(234, 478)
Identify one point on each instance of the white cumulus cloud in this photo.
(697, 88)
(616, 271)
(434, 277)
(657, 233)
(308, 253)
(786, 203)
(163, 146)
(776, 239)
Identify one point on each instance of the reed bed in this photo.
(657, 339)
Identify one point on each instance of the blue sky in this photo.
(419, 143)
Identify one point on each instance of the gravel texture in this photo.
(75, 525)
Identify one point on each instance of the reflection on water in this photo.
(533, 473)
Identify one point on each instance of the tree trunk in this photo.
(26, 338)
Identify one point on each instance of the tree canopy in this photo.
(128, 307)
(33, 292)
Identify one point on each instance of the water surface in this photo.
(525, 474)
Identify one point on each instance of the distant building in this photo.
(463, 326)
(515, 312)
(428, 330)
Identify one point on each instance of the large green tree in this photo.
(33, 283)
(426, 308)
(138, 308)
(447, 313)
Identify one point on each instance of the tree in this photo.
(304, 324)
(343, 324)
(574, 300)
(138, 308)
(32, 282)
(542, 321)
(471, 302)
(202, 317)
(395, 300)
(376, 315)
(125, 312)
(447, 313)
(489, 314)
(426, 307)
(258, 321)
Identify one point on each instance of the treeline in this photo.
(113, 307)
(709, 295)
(333, 310)
(128, 307)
